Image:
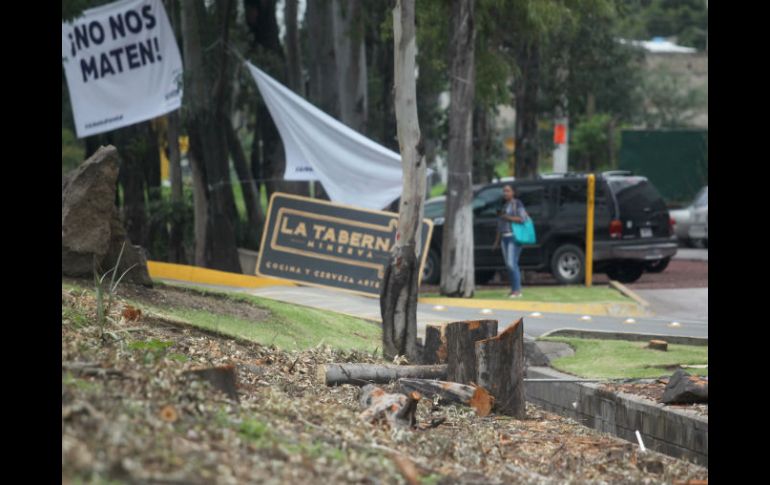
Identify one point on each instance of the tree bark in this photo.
(435, 348)
(322, 61)
(350, 58)
(500, 369)
(461, 354)
(525, 91)
(131, 177)
(476, 397)
(293, 59)
(176, 250)
(457, 264)
(362, 374)
(398, 300)
(254, 216)
(208, 145)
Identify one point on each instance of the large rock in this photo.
(683, 388)
(92, 232)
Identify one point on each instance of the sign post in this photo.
(590, 229)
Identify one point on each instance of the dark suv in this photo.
(633, 232)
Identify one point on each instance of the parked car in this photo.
(685, 219)
(699, 227)
(633, 232)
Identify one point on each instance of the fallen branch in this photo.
(473, 396)
(362, 374)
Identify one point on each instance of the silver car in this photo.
(699, 226)
(691, 222)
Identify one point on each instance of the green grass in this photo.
(288, 327)
(624, 359)
(560, 294)
(438, 189)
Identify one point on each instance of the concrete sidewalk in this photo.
(678, 303)
(537, 323)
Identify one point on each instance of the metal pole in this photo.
(590, 230)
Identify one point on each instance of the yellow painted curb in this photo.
(613, 309)
(196, 274)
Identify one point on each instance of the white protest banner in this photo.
(122, 65)
(353, 169)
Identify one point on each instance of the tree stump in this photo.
(658, 345)
(500, 369)
(434, 350)
(461, 355)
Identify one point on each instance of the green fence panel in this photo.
(675, 161)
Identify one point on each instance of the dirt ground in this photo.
(653, 391)
(132, 413)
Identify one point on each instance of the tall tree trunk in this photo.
(457, 264)
(260, 16)
(293, 58)
(176, 249)
(131, 177)
(526, 90)
(254, 213)
(157, 232)
(483, 167)
(173, 130)
(200, 209)
(398, 300)
(208, 144)
(351, 63)
(322, 62)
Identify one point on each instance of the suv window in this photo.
(635, 193)
(487, 202)
(533, 198)
(572, 200)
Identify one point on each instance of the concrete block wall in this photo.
(677, 433)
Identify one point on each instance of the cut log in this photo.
(476, 397)
(398, 410)
(501, 369)
(362, 374)
(461, 356)
(435, 350)
(658, 345)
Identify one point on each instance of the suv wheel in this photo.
(568, 264)
(625, 272)
(431, 273)
(657, 266)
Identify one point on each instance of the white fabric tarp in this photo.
(122, 65)
(353, 169)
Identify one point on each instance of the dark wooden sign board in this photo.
(319, 243)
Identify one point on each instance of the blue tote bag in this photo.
(524, 232)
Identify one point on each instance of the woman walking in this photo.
(513, 211)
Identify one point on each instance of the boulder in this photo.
(92, 232)
(683, 388)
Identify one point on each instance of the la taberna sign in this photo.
(320, 243)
